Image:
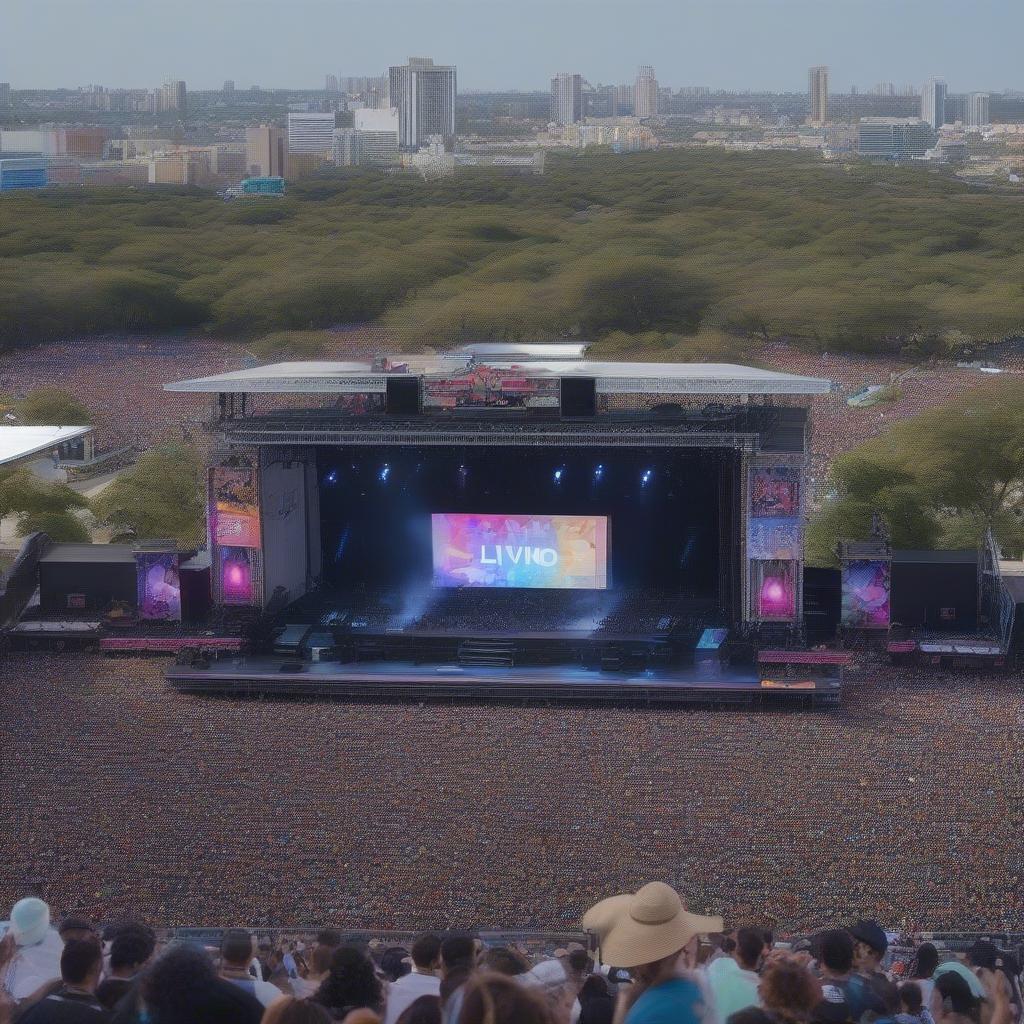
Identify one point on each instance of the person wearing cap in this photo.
(652, 933)
(36, 959)
(870, 993)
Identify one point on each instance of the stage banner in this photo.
(773, 590)
(159, 587)
(774, 537)
(552, 552)
(866, 594)
(484, 387)
(775, 491)
(236, 585)
(234, 508)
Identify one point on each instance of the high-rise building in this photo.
(933, 102)
(229, 86)
(310, 132)
(424, 95)
(265, 152)
(330, 83)
(567, 98)
(173, 97)
(817, 87)
(645, 89)
(977, 110)
(894, 138)
(5, 94)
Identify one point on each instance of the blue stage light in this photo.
(558, 475)
(332, 477)
(647, 477)
(385, 472)
(599, 472)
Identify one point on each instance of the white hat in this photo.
(646, 926)
(30, 921)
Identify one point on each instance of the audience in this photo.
(235, 957)
(734, 979)
(74, 1001)
(423, 980)
(457, 962)
(424, 1010)
(289, 1010)
(130, 950)
(351, 984)
(498, 999)
(36, 952)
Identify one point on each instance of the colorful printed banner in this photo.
(236, 575)
(777, 537)
(159, 587)
(234, 507)
(554, 552)
(775, 492)
(866, 594)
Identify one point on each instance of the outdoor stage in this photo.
(705, 682)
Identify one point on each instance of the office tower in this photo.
(645, 102)
(311, 132)
(933, 102)
(624, 99)
(345, 152)
(817, 87)
(5, 94)
(229, 86)
(566, 98)
(424, 94)
(265, 152)
(894, 138)
(977, 110)
(172, 97)
(331, 83)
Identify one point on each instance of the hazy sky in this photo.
(738, 44)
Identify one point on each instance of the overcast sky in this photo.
(503, 44)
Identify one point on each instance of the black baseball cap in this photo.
(871, 934)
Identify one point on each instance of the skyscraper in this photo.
(567, 98)
(645, 92)
(817, 87)
(933, 102)
(173, 96)
(424, 94)
(977, 110)
(311, 132)
(330, 83)
(264, 152)
(5, 94)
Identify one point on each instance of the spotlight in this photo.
(332, 477)
(558, 475)
(385, 472)
(599, 472)
(647, 477)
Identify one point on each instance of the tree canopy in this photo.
(777, 244)
(940, 479)
(52, 406)
(159, 497)
(39, 505)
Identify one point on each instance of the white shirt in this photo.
(404, 992)
(262, 990)
(33, 966)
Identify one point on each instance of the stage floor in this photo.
(704, 682)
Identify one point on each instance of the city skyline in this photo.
(723, 44)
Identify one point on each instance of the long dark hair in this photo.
(351, 983)
(926, 959)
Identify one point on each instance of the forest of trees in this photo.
(842, 256)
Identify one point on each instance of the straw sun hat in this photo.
(645, 926)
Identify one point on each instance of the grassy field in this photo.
(650, 249)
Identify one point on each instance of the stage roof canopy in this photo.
(322, 377)
(17, 442)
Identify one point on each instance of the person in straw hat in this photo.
(652, 933)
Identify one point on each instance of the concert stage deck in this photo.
(706, 682)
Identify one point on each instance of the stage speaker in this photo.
(579, 396)
(403, 396)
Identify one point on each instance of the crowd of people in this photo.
(906, 804)
(647, 960)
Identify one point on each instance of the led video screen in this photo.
(550, 552)
(866, 590)
(159, 588)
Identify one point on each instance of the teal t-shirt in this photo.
(676, 1001)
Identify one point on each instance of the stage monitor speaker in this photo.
(579, 396)
(403, 396)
